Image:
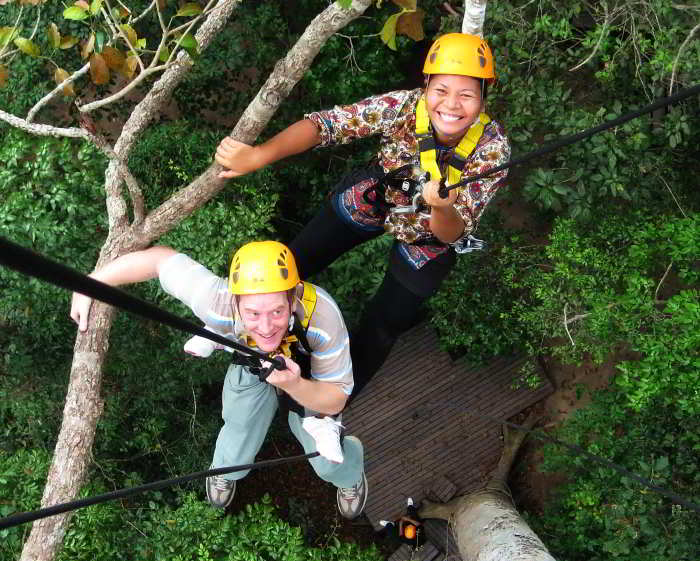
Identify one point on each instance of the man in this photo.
(260, 305)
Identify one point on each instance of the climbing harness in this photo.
(428, 147)
(296, 334)
(407, 181)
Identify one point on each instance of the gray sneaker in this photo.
(220, 491)
(351, 500)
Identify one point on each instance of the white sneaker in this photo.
(326, 433)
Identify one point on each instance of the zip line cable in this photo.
(36, 265)
(537, 433)
(24, 517)
(567, 140)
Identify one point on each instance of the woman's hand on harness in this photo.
(80, 310)
(431, 195)
(285, 379)
(239, 158)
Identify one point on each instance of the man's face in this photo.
(265, 317)
(453, 103)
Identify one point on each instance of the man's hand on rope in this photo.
(80, 310)
(284, 379)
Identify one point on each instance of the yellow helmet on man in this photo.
(261, 267)
(461, 54)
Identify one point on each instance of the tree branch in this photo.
(41, 130)
(121, 33)
(53, 93)
(145, 12)
(678, 56)
(137, 201)
(474, 15)
(92, 106)
(288, 71)
(566, 326)
(606, 22)
(663, 278)
(7, 45)
(512, 440)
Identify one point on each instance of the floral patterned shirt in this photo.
(392, 115)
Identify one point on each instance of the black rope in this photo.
(24, 517)
(35, 265)
(567, 140)
(571, 447)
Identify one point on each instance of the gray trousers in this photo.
(249, 406)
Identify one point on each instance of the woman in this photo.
(441, 129)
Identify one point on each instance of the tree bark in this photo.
(84, 404)
(474, 15)
(486, 524)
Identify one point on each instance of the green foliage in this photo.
(542, 96)
(605, 280)
(149, 528)
(599, 514)
(473, 310)
(22, 477)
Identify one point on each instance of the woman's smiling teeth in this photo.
(448, 117)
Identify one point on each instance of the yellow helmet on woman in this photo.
(462, 54)
(260, 267)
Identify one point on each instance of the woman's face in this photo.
(453, 103)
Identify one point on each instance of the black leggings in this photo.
(396, 305)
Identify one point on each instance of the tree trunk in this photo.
(84, 404)
(485, 523)
(474, 15)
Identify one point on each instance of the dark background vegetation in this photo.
(603, 233)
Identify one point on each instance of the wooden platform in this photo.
(418, 421)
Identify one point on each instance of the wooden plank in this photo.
(419, 421)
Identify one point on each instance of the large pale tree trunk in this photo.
(474, 15)
(84, 404)
(486, 524)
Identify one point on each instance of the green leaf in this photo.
(54, 35)
(27, 47)
(388, 32)
(345, 4)
(188, 42)
(141, 43)
(100, 39)
(189, 9)
(130, 33)
(164, 54)
(68, 42)
(75, 13)
(95, 6)
(6, 35)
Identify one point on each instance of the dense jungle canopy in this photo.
(593, 256)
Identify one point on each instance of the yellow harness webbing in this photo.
(426, 145)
